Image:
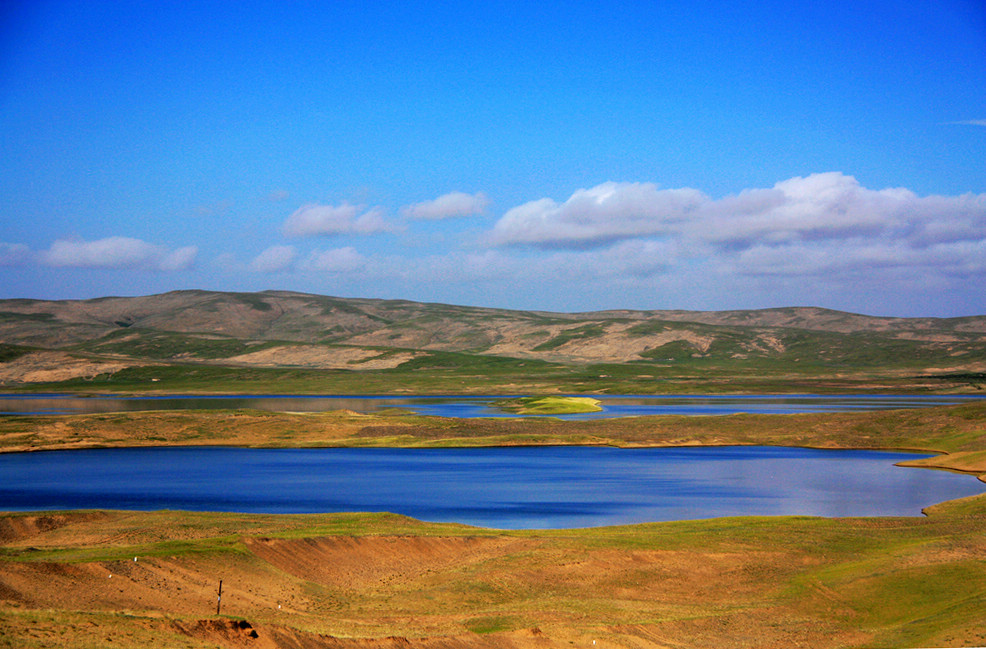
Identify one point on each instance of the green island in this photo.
(550, 405)
(87, 579)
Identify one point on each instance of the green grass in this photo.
(490, 624)
(254, 301)
(89, 554)
(675, 351)
(550, 405)
(458, 373)
(15, 317)
(11, 352)
(159, 345)
(433, 360)
(568, 335)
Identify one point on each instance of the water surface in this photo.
(553, 487)
(469, 406)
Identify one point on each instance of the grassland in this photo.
(350, 580)
(124, 579)
(139, 580)
(454, 373)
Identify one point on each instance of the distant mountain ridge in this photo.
(283, 328)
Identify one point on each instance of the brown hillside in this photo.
(285, 329)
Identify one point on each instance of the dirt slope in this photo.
(151, 580)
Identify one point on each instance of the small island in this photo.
(551, 405)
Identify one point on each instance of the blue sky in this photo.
(559, 156)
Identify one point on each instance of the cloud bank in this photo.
(822, 238)
(820, 223)
(117, 253)
(818, 239)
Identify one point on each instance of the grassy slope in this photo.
(189, 335)
(733, 582)
(471, 374)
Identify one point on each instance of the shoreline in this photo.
(379, 581)
(955, 432)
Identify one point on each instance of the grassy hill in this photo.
(201, 340)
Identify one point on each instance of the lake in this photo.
(468, 406)
(506, 488)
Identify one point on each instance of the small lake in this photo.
(469, 406)
(506, 488)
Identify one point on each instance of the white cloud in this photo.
(942, 219)
(14, 254)
(337, 260)
(274, 259)
(819, 207)
(835, 207)
(450, 205)
(118, 252)
(823, 229)
(623, 260)
(325, 220)
(595, 216)
(867, 258)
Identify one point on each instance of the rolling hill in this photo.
(113, 337)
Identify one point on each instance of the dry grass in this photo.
(959, 431)
(314, 581)
(387, 581)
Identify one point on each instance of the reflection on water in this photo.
(469, 406)
(548, 487)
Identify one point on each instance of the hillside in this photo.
(44, 341)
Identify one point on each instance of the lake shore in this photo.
(954, 433)
(149, 579)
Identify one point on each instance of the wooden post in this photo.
(219, 599)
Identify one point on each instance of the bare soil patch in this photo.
(318, 356)
(17, 528)
(43, 367)
(359, 563)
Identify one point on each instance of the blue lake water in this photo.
(470, 406)
(507, 488)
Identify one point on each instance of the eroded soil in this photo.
(382, 581)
